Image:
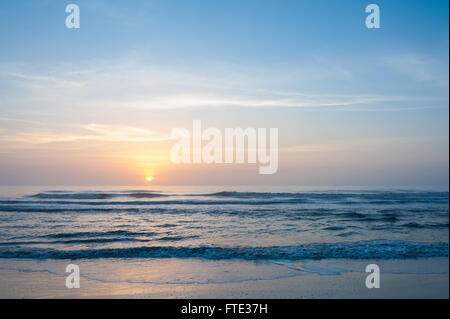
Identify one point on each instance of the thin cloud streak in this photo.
(103, 133)
(39, 81)
(149, 87)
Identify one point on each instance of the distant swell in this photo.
(375, 197)
(27, 208)
(349, 250)
(95, 195)
(98, 234)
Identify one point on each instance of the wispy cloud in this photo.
(10, 119)
(292, 99)
(39, 81)
(120, 133)
(131, 84)
(92, 132)
(419, 68)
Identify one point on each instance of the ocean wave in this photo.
(343, 197)
(348, 250)
(95, 195)
(418, 225)
(32, 207)
(436, 218)
(376, 197)
(64, 209)
(75, 241)
(235, 194)
(98, 234)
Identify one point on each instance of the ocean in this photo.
(234, 233)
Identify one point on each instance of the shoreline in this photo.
(104, 279)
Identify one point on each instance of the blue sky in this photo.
(376, 100)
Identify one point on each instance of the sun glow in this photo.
(149, 179)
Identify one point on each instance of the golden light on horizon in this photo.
(149, 179)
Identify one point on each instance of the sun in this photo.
(149, 179)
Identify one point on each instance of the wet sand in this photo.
(45, 284)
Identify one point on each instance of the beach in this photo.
(47, 282)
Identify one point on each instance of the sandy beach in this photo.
(15, 284)
(45, 283)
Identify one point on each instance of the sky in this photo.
(96, 105)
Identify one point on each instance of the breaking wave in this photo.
(348, 250)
